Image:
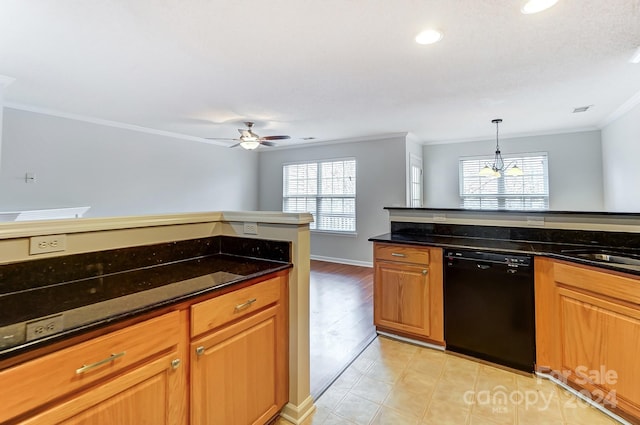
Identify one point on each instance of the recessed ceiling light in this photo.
(429, 37)
(635, 58)
(535, 6)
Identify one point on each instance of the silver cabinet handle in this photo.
(424, 272)
(200, 350)
(245, 304)
(397, 254)
(109, 359)
(175, 363)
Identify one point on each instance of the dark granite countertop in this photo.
(561, 251)
(512, 211)
(98, 298)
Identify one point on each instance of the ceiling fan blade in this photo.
(233, 146)
(276, 138)
(220, 138)
(265, 143)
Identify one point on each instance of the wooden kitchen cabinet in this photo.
(239, 356)
(138, 374)
(408, 291)
(134, 375)
(588, 330)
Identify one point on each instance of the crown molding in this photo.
(513, 136)
(631, 103)
(109, 123)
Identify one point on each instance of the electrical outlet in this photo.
(535, 221)
(44, 327)
(10, 336)
(439, 217)
(50, 243)
(250, 228)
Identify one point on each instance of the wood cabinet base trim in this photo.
(413, 339)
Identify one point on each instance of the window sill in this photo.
(335, 232)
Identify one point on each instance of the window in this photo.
(326, 189)
(527, 192)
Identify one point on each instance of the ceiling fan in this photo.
(250, 140)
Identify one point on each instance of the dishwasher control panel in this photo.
(488, 257)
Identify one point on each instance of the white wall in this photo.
(575, 168)
(620, 154)
(117, 171)
(380, 182)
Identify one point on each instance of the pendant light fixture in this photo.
(498, 166)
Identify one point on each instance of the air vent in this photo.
(582, 109)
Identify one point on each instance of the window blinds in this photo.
(326, 189)
(527, 192)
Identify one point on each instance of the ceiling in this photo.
(329, 69)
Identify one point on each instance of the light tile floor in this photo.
(395, 383)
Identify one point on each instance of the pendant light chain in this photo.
(498, 162)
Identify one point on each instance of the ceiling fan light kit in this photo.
(250, 140)
(249, 144)
(497, 168)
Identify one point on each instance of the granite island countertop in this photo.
(110, 290)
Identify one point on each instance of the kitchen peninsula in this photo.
(165, 297)
(586, 281)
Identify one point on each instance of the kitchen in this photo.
(101, 158)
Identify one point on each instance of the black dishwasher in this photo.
(489, 307)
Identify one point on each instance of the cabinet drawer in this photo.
(217, 311)
(46, 378)
(402, 253)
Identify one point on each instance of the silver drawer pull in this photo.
(245, 305)
(424, 272)
(109, 359)
(397, 254)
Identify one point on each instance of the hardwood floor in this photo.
(341, 319)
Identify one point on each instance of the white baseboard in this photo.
(297, 414)
(342, 261)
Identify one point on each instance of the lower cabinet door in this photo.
(151, 394)
(238, 373)
(401, 297)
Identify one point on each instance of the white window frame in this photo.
(499, 199)
(319, 197)
(415, 181)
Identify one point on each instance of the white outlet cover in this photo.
(50, 243)
(250, 228)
